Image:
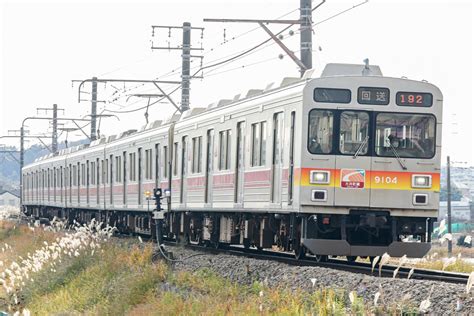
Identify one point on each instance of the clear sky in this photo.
(46, 44)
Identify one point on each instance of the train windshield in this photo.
(408, 135)
(320, 131)
(354, 132)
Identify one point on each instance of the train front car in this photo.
(370, 163)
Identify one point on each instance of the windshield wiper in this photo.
(395, 152)
(359, 149)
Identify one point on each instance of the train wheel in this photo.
(351, 258)
(300, 252)
(246, 243)
(321, 258)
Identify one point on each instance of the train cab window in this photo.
(354, 133)
(405, 135)
(320, 131)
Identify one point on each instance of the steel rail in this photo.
(333, 263)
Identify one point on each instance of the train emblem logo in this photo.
(352, 178)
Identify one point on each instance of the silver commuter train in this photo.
(346, 164)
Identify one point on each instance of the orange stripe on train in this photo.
(374, 179)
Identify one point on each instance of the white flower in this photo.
(470, 282)
(313, 281)
(425, 305)
(376, 298)
(352, 297)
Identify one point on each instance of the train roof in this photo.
(287, 86)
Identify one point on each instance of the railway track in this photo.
(334, 263)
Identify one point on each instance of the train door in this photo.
(291, 154)
(125, 178)
(239, 172)
(87, 181)
(111, 179)
(140, 176)
(184, 169)
(277, 157)
(157, 165)
(209, 165)
(353, 161)
(97, 180)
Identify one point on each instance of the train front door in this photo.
(353, 161)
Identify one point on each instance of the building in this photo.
(460, 210)
(8, 198)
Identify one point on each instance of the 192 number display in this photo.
(414, 99)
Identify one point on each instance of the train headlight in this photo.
(319, 177)
(421, 181)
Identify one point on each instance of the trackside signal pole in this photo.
(448, 187)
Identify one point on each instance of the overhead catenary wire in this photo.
(237, 56)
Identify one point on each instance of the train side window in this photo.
(149, 164)
(320, 131)
(224, 149)
(165, 161)
(354, 132)
(93, 173)
(259, 140)
(83, 174)
(118, 169)
(74, 175)
(132, 167)
(175, 159)
(197, 155)
(157, 164)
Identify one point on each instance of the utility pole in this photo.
(94, 110)
(54, 144)
(185, 55)
(22, 161)
(305, 22)
(448, 186)
(54, 135)
(306, 41)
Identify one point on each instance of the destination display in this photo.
(372, 95)
(331, 95)
(414, 99)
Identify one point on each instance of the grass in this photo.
(122, 279)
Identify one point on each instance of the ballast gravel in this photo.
(445, 298)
